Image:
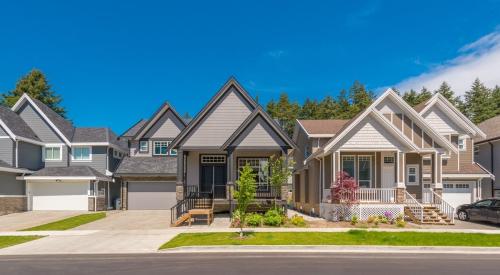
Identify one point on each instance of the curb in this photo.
(334, 249)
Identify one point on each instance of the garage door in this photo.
(58, 195)
(151, 195)
(458, 193)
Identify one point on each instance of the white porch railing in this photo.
(415, 207)
(376, 195)
(429, 196)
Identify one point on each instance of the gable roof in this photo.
(452, 111)
(326, 127)
(491, 127)
(147, 166)
(64, 128)
(259, 112)
(5, 167)
(165, 107)
(16, 125)
(83, 135)
(132, 131)
(232, 82)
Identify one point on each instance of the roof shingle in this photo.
(16, 124)
(323, 126)
(147, 165)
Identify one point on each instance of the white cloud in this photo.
(479, 59)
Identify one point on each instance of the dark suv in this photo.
(484, 210)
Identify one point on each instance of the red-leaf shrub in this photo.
(344, 190)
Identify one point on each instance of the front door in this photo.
(388, 170)
(213, 175)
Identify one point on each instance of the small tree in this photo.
(245, 194)
(344, 192)
(280, 170)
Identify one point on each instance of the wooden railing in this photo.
(376, 195)
(429, 196)
(415, 207)
(264, 191)
(192, 200)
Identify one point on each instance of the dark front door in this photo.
(213, 177)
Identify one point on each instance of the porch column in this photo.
(284, 187)
(400, 162)
(438, 183)
(179, 186)
(230, 175)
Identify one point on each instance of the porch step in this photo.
(431, 215)
(185, 217)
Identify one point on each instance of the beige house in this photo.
(418, 161)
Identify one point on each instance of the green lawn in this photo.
(353, 237)
(13, 240)
(68, 223)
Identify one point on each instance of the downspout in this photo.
(492, 156)
(17, 153)
(95, 195)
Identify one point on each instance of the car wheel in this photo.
(462, 215)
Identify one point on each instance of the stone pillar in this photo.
(400, 195)
(231, 176)
(179, 185)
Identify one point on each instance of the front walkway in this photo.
(131, 220)
(18, 221)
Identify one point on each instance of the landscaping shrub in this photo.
(354, 220)
(254, 220)
(236, 218)
(273, 217)
(298, 221)
(400, 223)
(371, 219)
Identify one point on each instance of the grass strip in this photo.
(353, 237)
(6, 241)
(68, 223)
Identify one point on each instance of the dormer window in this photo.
(462, 145)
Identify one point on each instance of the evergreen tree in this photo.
(496, 99)
(479, 104)
(359, 97)
(309, 109)
(328, 108)
(446, 91)
(36, 86)
(411, 97)
(343, 106)
(285, 112)
(424, 95)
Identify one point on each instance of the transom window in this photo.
(81, 153)
(388, 160)
(53, 153)
(143, 146)
(161, 148)
(213, 159)
(412, 174)
(260, 168)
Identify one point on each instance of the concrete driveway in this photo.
(18, 221)
(131, 220)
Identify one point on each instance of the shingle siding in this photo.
(41, 128)
(168, 126)
(30, 156)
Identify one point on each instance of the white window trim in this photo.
(81, 160)
(172, 152)
(464, 138)
(154, 147)
(52, 146)
(371, 170)
(342, 164)
(117, 154)
(147, 146)
(417, 174)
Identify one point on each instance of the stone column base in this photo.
(400, 195)
(179, 192)
(13, 205)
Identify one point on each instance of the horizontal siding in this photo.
(369, 133)
(168, 126)
(7, 151)
(221, 122)
(30, 156)
(441, 122)
(61, 163)
(10, 186)
(259, 133)
(98, 159)
(388, 106)
(38, 124)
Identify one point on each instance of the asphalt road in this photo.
(276, 264)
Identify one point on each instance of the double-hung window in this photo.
(143, 146)
(160, 148)
(348, 165)
(365, 171)
(82, 153)
(53, 153)
(412, 174)
(462, 145)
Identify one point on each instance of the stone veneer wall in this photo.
(101, 204)
(13, 204)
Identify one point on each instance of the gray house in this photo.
(148, 174)
(487, 153)
(48, 164)
(232, 130)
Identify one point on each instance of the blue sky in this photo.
(116, 62)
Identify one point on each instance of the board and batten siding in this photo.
(168, 126)
(441, 122)
(369, 133)
(98, 161)
(221, 121)
(30, 155)
(259, 134)
(7, 151)
(41, 128)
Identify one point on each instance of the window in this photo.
(364, 171)
(172, 152)
(448, 185)
(213, 159)
(82, 153)
(117, 154)
(260, 168)
(412, 175)
(462, 145)
(348, 165)
(143, 146)
(462, 186)
(483, 203)
(161, 148)
(388, 159)
(53, 153)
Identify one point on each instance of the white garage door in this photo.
(58, 195)
(458, 193)
(157, 195)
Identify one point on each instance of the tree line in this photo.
(478, 104)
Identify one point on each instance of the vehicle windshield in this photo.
(483, 203)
